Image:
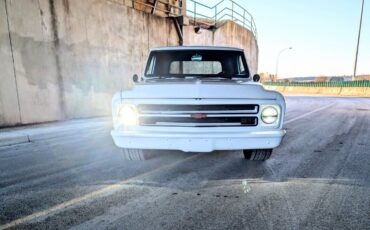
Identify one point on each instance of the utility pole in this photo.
(358, 41)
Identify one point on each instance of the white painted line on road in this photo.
(69, 204)
(309, 113)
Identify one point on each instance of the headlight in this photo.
(128, 115)
(269, 114)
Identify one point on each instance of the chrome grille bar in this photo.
(198, 115)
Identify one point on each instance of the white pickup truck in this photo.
(198, 99)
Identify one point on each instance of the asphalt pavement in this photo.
(319, 178)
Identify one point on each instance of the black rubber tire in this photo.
(257, 154)
(133, 154)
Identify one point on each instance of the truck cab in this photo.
(198, 99)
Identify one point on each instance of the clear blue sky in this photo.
(323, 34)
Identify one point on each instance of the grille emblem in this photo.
(198, 115)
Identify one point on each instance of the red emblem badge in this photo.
(198, 115)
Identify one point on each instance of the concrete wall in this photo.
(37, 73)
(63, 59)
(9, 107)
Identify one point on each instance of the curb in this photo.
(9, 139)
(13, 139)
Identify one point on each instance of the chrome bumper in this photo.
(196, 141)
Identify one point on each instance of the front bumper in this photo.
(193, 141)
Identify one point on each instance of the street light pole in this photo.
(277, 60)
(358, 41)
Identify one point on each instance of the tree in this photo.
(320, 78)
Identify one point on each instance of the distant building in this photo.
(336, 79)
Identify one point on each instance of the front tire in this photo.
(133, 154)
(257, 154)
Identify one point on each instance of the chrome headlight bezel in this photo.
(270, 115)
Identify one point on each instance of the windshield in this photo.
(200, 63)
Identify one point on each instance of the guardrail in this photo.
(223, 10)
(360, 83)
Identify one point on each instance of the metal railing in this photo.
(360, 83)
(223, 10)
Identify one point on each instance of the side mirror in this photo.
(197, 29)
(256, 78)
(135, 78)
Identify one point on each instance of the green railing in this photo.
(362, 83)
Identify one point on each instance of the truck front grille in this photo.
(198, 115)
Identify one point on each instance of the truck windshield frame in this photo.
(197, 63)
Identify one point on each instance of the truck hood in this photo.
(198, 88)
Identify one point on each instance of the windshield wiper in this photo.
(223, 76)
(162, 77)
